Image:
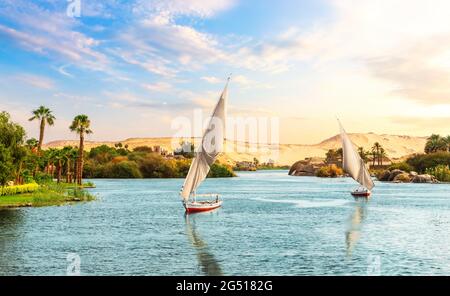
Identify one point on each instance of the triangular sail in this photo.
(211, 146)
(352, 162)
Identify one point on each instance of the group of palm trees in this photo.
(376, 154)
(81, 126)
(436, 143)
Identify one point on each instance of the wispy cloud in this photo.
(51, 33)
(36, 81)
(211, 79)
(158, 86)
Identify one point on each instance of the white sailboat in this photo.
(211, 145)
(355, 166)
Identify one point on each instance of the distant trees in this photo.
(45, 116)
(437, 143)
(378, 153)
(186, 149)
(363, 153)
(334, 155)
(421, 162)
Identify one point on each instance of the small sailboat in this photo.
(211, 145)
(355, 166)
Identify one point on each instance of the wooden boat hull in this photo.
(360, 194)
(195, 207)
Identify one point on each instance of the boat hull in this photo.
(195, 207)
(360, 194)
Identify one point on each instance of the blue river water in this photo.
(270, 224)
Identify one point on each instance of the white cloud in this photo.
(211, 79)
(173, 8)
(158, 86)
(36, 81)
(51, 33)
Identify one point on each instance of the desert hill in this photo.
(283, 154)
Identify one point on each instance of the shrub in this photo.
(401, 166)
(421, 162)
(125, 169)
(220, 170)
(103, 153)
(441, 172)
(330, 171)
(145, 149)
(42, 178)
(18, 189)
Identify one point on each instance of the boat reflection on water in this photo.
(208, 263)
(355, 224)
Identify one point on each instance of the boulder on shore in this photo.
(399, 176)
(426, 178)
(402, 178)
(394, 174)
(306, 167)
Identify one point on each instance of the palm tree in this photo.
(80, 125)
(58, 156)
(382, 155)
(32, 143)
(70, 154)
(447, 141)
(362, 153)
(374, 155)
(45, 116)
(435, 143)
(376, 151)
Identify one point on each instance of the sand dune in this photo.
(284, 154)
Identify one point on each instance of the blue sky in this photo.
(134, 66)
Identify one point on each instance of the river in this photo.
(270, 224)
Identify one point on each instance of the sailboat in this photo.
(211, 145)
(355, 166)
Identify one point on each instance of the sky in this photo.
(135, 66)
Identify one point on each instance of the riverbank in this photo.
(47, 195)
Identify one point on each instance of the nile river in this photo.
(270, 224)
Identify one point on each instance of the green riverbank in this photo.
(47, 195)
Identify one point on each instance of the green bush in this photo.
(124, 169)
(18, 189)
(329, 171)
(219, 170)
(422, 162)
(42, 178)
(401, 166)
(441, 172)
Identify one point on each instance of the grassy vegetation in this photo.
(49, 194)
(441, 172)
(330, 171)
(421, 162)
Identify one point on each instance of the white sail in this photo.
(211, 146)
(352, 162)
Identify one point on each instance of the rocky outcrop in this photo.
(402, 178)
(424, 179)
(307, 167)
(393, 174)
(399, 176)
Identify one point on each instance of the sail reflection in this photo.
(208, 263)
(356, 220)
